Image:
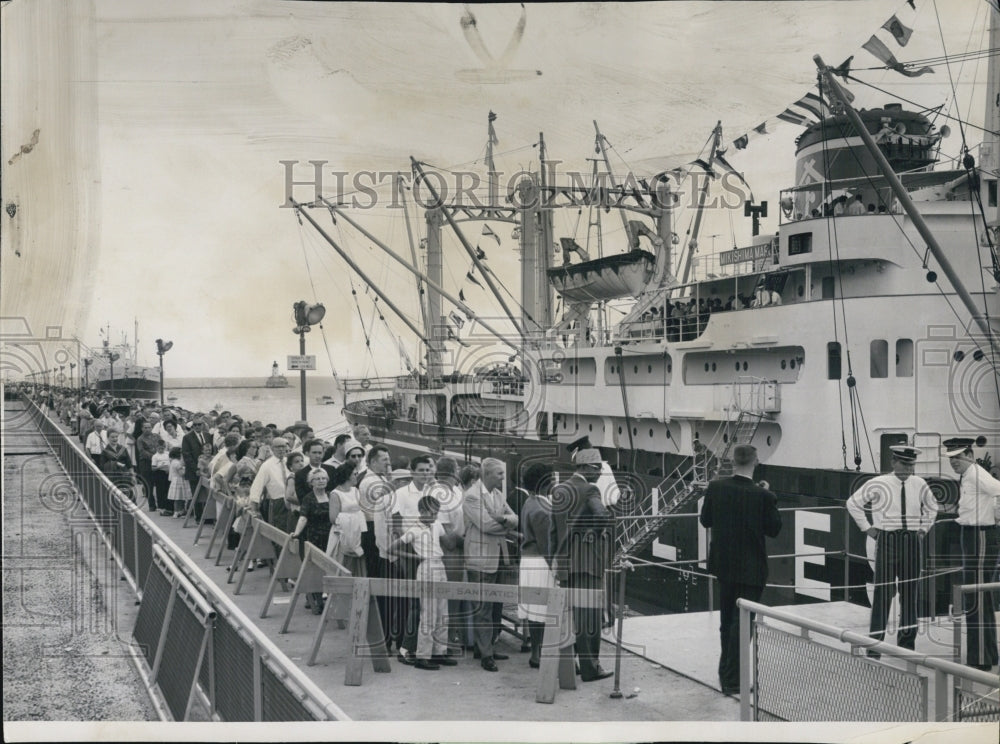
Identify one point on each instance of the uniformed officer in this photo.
(978, 514)
(903, 509)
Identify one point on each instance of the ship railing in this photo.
(968, 701)
(369, 384)
(238, 673)
(782, 654)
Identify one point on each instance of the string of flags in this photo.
(812, 107)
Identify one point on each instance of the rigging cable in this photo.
(312, 284)
(833, 306)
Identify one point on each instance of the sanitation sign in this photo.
(299, 362)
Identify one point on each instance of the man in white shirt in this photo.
(269, 485)
(903, 509)
(405, 514)
(375, 494)
(339, 455)
(978, 514)
(97, 440)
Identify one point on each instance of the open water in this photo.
(251, 399)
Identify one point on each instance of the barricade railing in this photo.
(241, 674)
(788, 676)
(969, 704)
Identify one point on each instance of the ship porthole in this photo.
(737, 366)
(978, 355)
(650, 433)
(959, 355)
(590, 427)
(744, 366)
(635, 431)
(706, 366)
(725, 438)
(713, 366)
(792, 364)
(783, 364)
(636, 368)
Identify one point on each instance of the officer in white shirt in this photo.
(903, 509)
(97, 440)
(978, 514)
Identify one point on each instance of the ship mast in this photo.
(978, 315)
(692, 245)
(492, 179)
(602, 147)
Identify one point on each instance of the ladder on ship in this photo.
(639, 528)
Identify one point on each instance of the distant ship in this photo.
(115, 369)
(276, 380)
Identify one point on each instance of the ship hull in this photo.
(130, 388)
(821, 548)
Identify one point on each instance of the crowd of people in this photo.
(429, 519)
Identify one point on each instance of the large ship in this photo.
(114, 368)
(868, 319)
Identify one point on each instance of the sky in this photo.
(154, 189)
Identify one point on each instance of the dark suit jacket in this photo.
(191, 451)
(740, 514)
(580, 531)
(302, 486)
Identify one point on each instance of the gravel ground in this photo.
(66, 614)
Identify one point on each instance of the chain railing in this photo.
(242, 675)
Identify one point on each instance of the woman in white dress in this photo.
(347, 519)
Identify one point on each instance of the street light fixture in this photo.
(162, 347)
(112, 358)
(306, 315)
(86, 373)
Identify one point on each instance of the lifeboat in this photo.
(608, 278)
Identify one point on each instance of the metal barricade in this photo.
(970, 704)
(236, 671)
(787, 675)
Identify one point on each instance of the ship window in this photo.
(650, 433)
(792, 364)
(737, 366)
(904, 357)
(619, 430)
(650, 368)
(713, 366)
(706, 366)
(725, 438)
(828, 288)
(783, 364)
(833, 360)
(590, 427)
(635, 369)
(612, 369)
(879, 353)
(635, 431)
(744, 366)
(798, 244)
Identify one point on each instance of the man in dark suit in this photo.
(740, 514)
(194, 444)
(579, 546)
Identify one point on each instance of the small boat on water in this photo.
(172, 398)
(276, 380)
(326, 400)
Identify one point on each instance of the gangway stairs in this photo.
(639, 527)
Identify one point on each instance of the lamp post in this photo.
(72, 366)
(86, 373)
(305, 316)
(112, 358)
(162, 347)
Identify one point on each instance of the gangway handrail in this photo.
(204, 584)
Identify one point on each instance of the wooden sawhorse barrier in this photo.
(368, 638)
(200, 495)
(312, 569)
(225, 516)
(262, 541)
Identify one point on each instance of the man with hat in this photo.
(740, 514)
(978, 514)
(606, 482)
(903, 509)
(579, 547)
